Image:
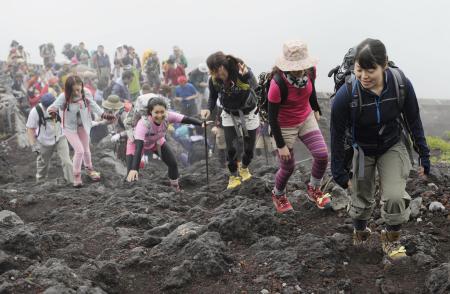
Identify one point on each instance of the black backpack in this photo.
(42, 119)
(342, 72)
(262, 91)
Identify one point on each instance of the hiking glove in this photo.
(108, 116)
(425, 163)
(115, 138)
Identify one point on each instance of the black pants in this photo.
(249, 146)
(167, 157)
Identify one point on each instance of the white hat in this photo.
(202, 67)
(295, 57)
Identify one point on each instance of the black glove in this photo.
(108, 116)
(425, 163)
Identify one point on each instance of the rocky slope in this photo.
(116, 237)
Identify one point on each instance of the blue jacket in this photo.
(120, 90)
(377, 128)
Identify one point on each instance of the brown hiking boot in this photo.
(390, 242)
(360, 237)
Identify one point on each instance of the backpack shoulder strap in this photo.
(400, 86)
(41, 115)
(356, 103)
(42, 121)
(282, 86)
(147, 122)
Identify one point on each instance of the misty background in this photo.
(416, 33)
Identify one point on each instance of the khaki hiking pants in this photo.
(44, 158)
(393, 169)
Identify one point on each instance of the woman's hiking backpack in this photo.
(262, 91)
(344, 71)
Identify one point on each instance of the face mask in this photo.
(296, 82)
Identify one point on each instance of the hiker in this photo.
(82, 54)
(180, 59)
(117, 128)
(18, 83)
(120, 54)
(135, 61)
(186, 95)
(120, 87)
(380, 143)
(117, 70)
(22, 54)
(199, 78)
(35, 94)
(101, 63)
(173, 72)
(48, 53)
(76, 106)
(152, 69)
(136, 113)
(68, 51)
(45, 137)
(296, 116)
(150, 135)
(89, 80)
(232, 82)
(134, 87)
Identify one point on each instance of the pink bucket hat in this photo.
(295, 57)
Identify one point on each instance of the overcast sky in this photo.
(416, 33)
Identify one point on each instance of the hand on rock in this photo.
(132, 176)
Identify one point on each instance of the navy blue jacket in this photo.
(377, 128)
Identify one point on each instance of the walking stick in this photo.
(265, 150)
(265, 145)
(205, 133)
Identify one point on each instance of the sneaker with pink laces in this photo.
(322, 201)
(281, 203)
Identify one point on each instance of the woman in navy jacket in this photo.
(371, 109)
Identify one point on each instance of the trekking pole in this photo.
(205, 133)
(265, 147)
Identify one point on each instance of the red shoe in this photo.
(322, 201)
(281, 203)
(141, 164)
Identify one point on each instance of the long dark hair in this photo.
(370, 53)
(71, 81)
(229, 62)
